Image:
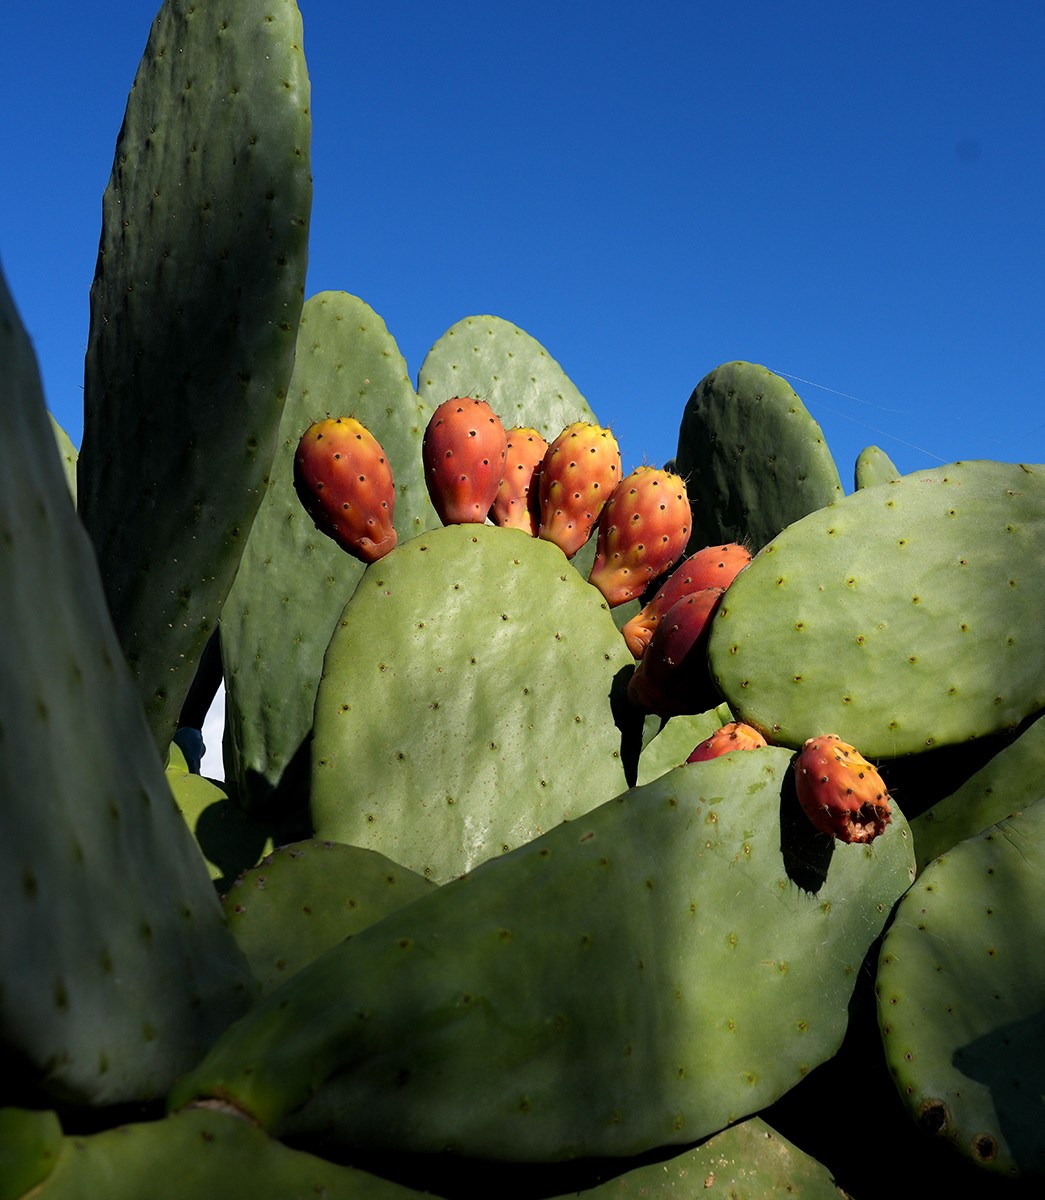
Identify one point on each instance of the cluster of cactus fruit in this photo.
(545, 862)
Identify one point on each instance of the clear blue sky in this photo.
(853, 195)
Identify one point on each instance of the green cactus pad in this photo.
(194, 313)
(204, 1155)
(1010, 781)
(230, 839)
(117, 969)
(470, 675)
(961, 997)
(677, 740)
(874, 466)
(303, 898)
(748, 1161)
(293, 581)
(753, 459)
(493, 360)
(68, 453)
(641, 976)
(30, 1143)
(903, 617)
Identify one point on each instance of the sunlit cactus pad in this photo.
(468, 683)
(905, 616)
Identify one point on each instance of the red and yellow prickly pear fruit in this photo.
(713, 566)
(734, 736)
(344, 480)
(579, 472)
(643, 529)
(840, 791)
(517, 504)
(463, 453)
(673, 676)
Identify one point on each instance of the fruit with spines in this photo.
(463, 452)
(642, 532)
(709, 567)
(840, 791)
(733, 736)
(516, 505)
(344, 481)
(672, 677)
(580, 470)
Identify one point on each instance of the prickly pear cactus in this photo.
(194, 315)
(901, 618)
(305, 897)
(496, 361)
(641, 976)
(752, 457)
(1007, 783)
(117, 968)
(873, 466)
(961, 996)
(293, 581)
(202, 1154)
(470, 673)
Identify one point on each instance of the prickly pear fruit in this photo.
(344, 480)
(840, 791)
(734, 736)
(517, 504)
(463, 453)
(672, 677)
(580, 470)
(713, 566)
(643, 530)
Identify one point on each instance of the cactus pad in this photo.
(194, 314)
(470, 674)
(641, 976)
(906, 616)
(753, 458)
(961, 997)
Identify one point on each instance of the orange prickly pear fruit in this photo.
(580, 470)
(840, 791)
(344, 480)
(734, 736)
(713, 566)
(516, 505)
(673, 677)
(643, 530)
(463, 453)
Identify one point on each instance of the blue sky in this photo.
(852, 195)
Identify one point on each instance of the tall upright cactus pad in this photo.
(194, 313)
(753, 458)
(469, 679)
(498, 362)
(116, 967)
(293, 581)
(904, 617)
(961, 996)
(642, 976)
(873, 466)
